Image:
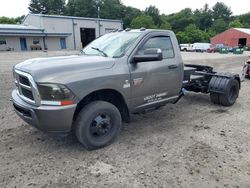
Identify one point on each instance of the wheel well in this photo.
(108, 95)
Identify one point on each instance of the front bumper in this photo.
(46, 118)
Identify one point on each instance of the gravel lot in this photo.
(191, 144)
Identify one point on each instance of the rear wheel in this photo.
(229, 98)
(98, 124)
(230, 95)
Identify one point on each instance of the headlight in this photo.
(55, 94)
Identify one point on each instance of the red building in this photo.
(232, 37)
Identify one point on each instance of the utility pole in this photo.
(98, 2)
(98, 13)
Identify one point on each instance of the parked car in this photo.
(212, 49)
(35, 47)
(201, 47)
(218, 47)
(186, 47)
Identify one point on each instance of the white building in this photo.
(39, 31)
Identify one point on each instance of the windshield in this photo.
(111, 45)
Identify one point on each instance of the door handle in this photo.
(172, 66)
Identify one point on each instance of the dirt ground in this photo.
(191, 144)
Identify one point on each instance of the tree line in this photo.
(189, 25)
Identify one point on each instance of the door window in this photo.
(162, 42)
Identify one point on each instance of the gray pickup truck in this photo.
(120, 73)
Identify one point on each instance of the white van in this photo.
(201, 47)
(186, 47)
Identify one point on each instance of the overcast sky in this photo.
(14, 8)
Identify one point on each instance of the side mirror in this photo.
(150, 54)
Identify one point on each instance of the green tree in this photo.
(143, 21)
(203, 18)
(235, 24)
(245, 20)
(192, 34)
(70, 8)
(111, 9)
(155, 14)
(219, 25)
(47, 6)
(129, 13)
(19, 19)
(166, 25)
(221, 11)
(182, 37)
(56, 7)
(6, 20)
(179, 21)
(36, 6)
(82, 8)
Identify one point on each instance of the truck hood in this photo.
(45, 69)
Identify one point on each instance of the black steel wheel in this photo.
(101, 126)
(98, 124)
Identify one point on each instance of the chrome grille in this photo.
(23, 80)
(26, 87)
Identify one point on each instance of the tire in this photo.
(97, 125)
(230, 96)
(214, 97)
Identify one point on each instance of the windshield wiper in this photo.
(97, 49)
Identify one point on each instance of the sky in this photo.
(15, 8)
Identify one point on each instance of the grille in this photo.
(27, 93)
(26, 87)
(24, 80)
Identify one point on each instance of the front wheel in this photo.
(98, 124)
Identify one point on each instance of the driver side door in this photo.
(154, 82)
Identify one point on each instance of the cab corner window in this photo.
(162, 42)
